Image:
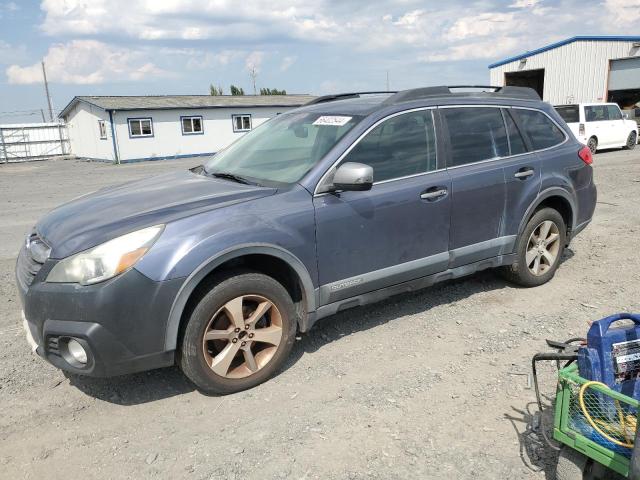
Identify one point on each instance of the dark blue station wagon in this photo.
(345, 201)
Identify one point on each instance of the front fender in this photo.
(209, 265)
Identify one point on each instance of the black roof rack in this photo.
(343, 96)
(441, 91)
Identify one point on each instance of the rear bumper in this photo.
(120, 323)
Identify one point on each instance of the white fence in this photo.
(33, 141)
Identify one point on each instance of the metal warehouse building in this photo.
(131, 128)
(579, 69)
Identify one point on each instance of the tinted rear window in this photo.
(540, 129)
(569, 113)
(476, 134)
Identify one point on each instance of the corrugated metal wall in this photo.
(576, 72)
(32, 141)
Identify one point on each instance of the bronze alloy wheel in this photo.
(543, 248)
(242, 336)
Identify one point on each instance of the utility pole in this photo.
(42, 113)
(46, 89)
(253, 74)
(387, 80)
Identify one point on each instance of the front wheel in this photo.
(538, 250)
(239, 334)
(632, 140)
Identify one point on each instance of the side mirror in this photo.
(625, 116)
(353, 176)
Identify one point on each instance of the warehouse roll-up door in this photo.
(625, 74)
(624, 82)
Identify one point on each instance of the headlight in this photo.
(107, 260)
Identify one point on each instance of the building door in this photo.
(526, 78)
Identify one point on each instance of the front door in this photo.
(398, 230)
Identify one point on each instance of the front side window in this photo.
(614, 112)
(476, 134)
(596, 113)
(140, 127)
(191, 125)
(241, 123)
(283, 149)
(102, 129)
(402, 146)
(541, 130)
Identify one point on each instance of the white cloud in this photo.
(287, 62)
(625, 12)
(524, 3)
(254, 60)
(87, 62)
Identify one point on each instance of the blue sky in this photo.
(147, 47)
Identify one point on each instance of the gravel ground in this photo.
(425, 385)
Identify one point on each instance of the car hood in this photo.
(108, 213)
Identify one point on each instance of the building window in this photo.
(102, 128)
(191, 125)
(241, 123)
(140, 127)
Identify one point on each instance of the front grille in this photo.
(30, 260)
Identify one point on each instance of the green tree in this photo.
(236, 90)
(213, 90)
(272, 91)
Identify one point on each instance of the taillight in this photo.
(581, 129)
(585, 155)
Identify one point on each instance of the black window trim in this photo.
(438, 125)
(526, 137)
(332, 168)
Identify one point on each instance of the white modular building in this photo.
(135, 128)
(576, 70)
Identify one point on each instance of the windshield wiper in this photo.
(232, 177)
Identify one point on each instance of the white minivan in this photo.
(600, 125)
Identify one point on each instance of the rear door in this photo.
(477, 141)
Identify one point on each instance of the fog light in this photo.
(77, 351)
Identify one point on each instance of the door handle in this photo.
(524, 173)
(433, 194)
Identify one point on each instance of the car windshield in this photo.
(569, 113)
(283, 149)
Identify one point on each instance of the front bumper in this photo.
(121, 323)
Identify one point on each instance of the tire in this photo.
(572, 465)
(238, 298)
(632, 140)
(522, 272)
(593, 145)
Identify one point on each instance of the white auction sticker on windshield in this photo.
(335, 121)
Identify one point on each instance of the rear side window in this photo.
(569, 113)
(401, 146)
(596, 113)
(476, 134)
(516, 143)
(542, 132)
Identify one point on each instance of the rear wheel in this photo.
(239, 334)
(593, 144)
(538, 250)
(632, 140)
